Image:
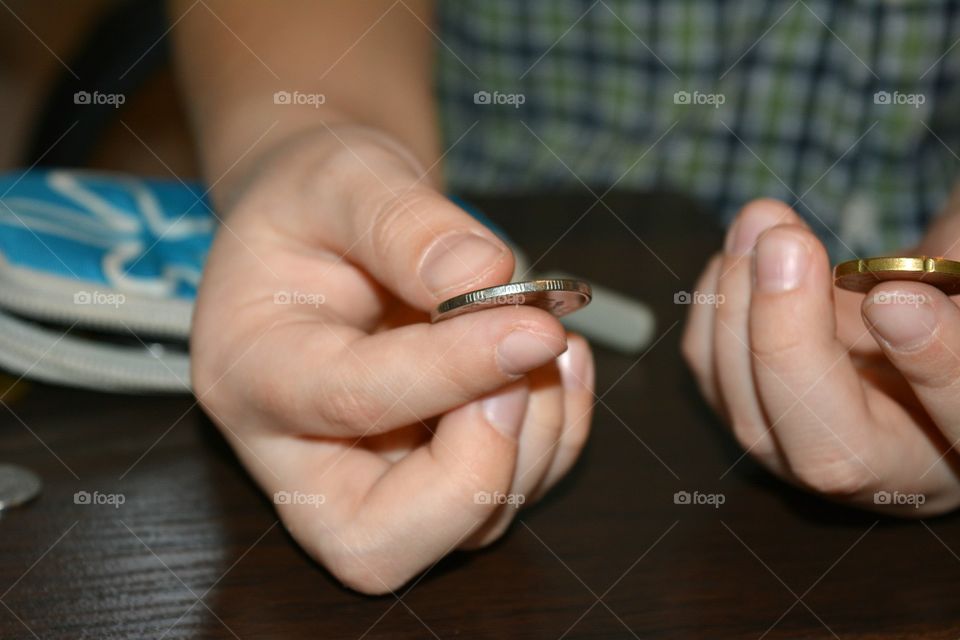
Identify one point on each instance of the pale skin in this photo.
(840, 393)
(398, 424)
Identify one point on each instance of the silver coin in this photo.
(558, 296)
(17, 486)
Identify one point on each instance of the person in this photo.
(329, 143)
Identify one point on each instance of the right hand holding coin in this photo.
(849, 395)
(390, 441)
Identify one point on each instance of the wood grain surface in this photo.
(195, 551)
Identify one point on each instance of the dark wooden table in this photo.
(196, 550)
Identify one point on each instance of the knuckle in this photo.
(348, 398)
(941, 380)
(392, 222)
(217, 387)
(476, 494)
(271, 395)
(486, 464)
(752, 438)
(841, 477)
(484, 510)
(451, 380)
(348, 407)
(348, 163)
(778, 349)
(474, 488)
(338, 163)
(492, 532)
(763, 205)
(545, 420)
(359, 577)
(938, 371)
(363, 563)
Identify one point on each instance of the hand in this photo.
(852, 396)
(312, 352)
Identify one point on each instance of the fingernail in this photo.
(743, 235)
(781, 262)
(576, 366)
(458, 259)
(505, 409)
(905, 321)
(522, 351)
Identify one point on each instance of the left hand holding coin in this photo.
(849, 395)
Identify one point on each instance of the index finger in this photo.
(839, 436)
(333, 380)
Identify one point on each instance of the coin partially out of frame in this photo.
(863, 275)
(558, 296)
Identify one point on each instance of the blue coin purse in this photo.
(84, 255)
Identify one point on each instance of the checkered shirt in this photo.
(846, 109)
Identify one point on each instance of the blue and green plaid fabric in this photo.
(847, 109)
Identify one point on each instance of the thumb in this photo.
(918, 328)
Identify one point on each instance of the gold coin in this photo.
(863, 275)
